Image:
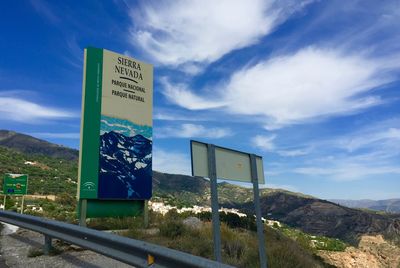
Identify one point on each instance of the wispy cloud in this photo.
(52, 135)
(349, 171)
(310, 84)
(171, 162)
(266, 143)
(365, 153)
(381, 137)
(176, 117)
(20, 110)
(193, 131)
(202, 31)
(293, 153)
(43, 8)
(75, 52)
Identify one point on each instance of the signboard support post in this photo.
(212, 173)
(22, 204)
(4, 202)
(260, 227)
(146, 214)
(82, 212)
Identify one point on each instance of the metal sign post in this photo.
(146, 214)
(260, 227)
(22, 205)
(214, 202)
(82, 212)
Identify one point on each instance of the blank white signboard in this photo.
(230, 164)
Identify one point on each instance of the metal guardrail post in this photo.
(47, 244)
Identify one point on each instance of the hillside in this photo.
(30, 145)
(188, 190)
(321, 217)
(388, 205)
(47, 175)
(51, 175)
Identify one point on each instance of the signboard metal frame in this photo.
(212, 175)
(221, 163)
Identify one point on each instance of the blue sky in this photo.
(312, 86)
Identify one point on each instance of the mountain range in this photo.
(30, 145)
(388, 205)
(310, 214)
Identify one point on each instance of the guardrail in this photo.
(130, 251)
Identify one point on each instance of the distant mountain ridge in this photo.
(321, 217)
(31, 145)
(388, 205)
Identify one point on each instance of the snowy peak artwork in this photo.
(125, 160)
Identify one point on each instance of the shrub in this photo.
(172, 228)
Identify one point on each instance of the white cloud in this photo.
(299, 87)
(202, 31)
(50, 135)
(174, 116)
(183, 97)
(349, 171)
(171, 162)
(292, 153)
(264, 143)
(362, 140)
(193, 131)
(16, 109)
(310, 84)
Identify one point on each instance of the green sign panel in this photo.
(15, 184)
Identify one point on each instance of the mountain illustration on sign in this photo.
(125, 170)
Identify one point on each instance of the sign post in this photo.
(212, 174)
(115, 156)
(260, 227)
(215, 162)
(22, 204)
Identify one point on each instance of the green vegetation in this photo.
(46, 176)
(239, 246)
(311, 242)
(35, 252)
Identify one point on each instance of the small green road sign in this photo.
(15, 184)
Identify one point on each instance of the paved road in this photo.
(16, 247)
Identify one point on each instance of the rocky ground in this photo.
(372, 252)
(18, 250)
